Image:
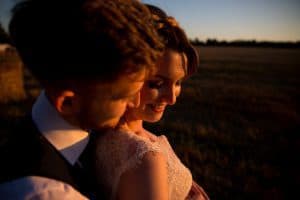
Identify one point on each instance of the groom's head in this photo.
(90, 55)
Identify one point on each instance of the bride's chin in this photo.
(153, 119)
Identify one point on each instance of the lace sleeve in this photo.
(118, 153)
(146, 146)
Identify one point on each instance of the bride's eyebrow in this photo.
(165, 78)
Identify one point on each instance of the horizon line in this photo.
(244, 40)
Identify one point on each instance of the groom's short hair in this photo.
(83, 39)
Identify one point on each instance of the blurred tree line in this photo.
(245, 43)
(4, 38)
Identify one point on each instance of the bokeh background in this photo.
(236, 124)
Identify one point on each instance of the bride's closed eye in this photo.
(178, 83)
(155, 84)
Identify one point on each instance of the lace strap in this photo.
(135, 148)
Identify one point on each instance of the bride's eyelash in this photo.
(154, 84)
(178, 83)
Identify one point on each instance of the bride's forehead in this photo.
(172, 62)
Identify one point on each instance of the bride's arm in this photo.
(147, 181)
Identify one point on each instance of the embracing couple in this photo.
(105, 67)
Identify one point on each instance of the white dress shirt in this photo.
(70, 141)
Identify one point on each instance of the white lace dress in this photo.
(119, 151)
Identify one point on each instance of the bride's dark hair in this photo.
(174, 37)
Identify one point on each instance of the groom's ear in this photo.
(66, 103)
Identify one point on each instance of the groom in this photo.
(91, 57)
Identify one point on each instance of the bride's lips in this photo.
(157, 108)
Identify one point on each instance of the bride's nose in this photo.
(169, 95)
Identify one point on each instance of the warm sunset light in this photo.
(195, 99)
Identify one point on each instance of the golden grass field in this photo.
(235, 125)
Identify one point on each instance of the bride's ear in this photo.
(66, 102)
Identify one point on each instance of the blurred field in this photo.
(236, 124)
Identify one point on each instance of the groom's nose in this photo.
(134, 101)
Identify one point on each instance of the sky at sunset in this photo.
(273, 20)
(277, 20)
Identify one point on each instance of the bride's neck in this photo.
(135, 125)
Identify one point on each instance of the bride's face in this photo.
(161, 88)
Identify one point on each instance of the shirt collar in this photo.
(69, 140)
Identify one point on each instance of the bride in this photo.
(133, 163)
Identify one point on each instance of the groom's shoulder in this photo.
(20, 149)
(22, 135)
(20, 130)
